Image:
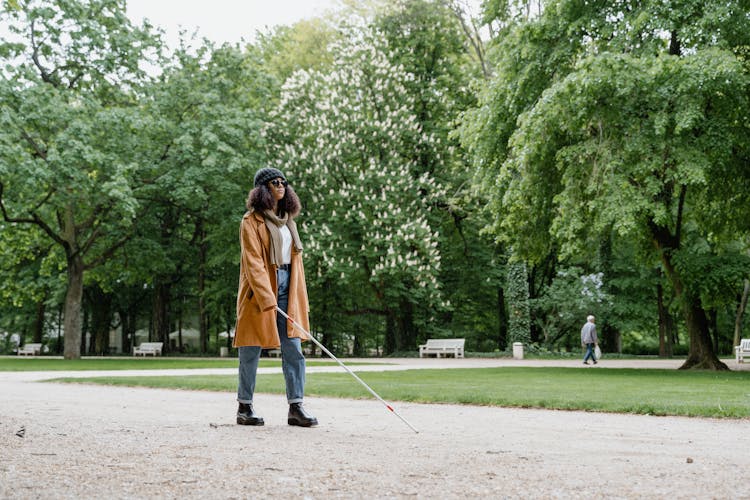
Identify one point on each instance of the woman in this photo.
(271, 275)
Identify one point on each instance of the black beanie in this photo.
(266, 175)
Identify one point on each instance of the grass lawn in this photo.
(644, 391)
(11, 364)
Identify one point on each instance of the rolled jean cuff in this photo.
(295, 400)
(245, 401)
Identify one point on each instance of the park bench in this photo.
(444, 347)
(153, 348)
(742, 350)
(30, 350)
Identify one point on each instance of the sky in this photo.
(229, 20)
(224, 20)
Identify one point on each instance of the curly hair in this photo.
(261, 198)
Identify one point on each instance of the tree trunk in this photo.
(60, 340)
(229, 317)
(357, 347)
(701, 354)
(740, 313)
(101, 320)
(41, 307)
(673, 337)
(208, 321)
(609, 339)
(665, 342)
(390, 333)
(73, 298)
(161, 314)
(202, 314)
(502, 320)
(87, 341)
(406, 340)
(127, 322)
(179, 328)
(713, 327)
(618, 342)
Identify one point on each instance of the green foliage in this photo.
(564, 305)
(103, 158)
(635, 342)
(302, 46)
(11, 5)
(607, 118)
(205, 144)
(607, 127)
(631, 289)
(69, 149)
(595, 137)
(517, 292)
(426, 39)
(716, 278)
(88, 47)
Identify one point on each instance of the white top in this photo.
(286, 245)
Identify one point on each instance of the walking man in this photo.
(588, 338)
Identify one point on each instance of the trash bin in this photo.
(223, 352)
(517, 350)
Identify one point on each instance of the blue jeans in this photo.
(292, 359)
(589, 353)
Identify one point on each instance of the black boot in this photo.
(298, 416)
(246, 415)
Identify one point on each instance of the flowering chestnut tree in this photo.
(349, 141)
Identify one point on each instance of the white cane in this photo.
(322, 347)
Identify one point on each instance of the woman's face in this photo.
(278, 188)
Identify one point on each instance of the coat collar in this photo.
(257, 216)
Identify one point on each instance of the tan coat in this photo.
(257, 294)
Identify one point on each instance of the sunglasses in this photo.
(277, 183)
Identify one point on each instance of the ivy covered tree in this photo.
(346, 138)
(517, 294)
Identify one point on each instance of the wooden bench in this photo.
(153, 348)
(30, 350)
(742, 350)
(440, 347)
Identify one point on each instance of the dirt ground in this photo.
(78, 441)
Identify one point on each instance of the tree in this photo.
(426, 38)
(519, 322)
(346, 138)
(30, 281)
(303, 45)
(637, 132)
(68, 142)
(207, 110)
(566, 302)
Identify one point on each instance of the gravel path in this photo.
(77, 441)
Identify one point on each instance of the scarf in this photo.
(273, 223)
